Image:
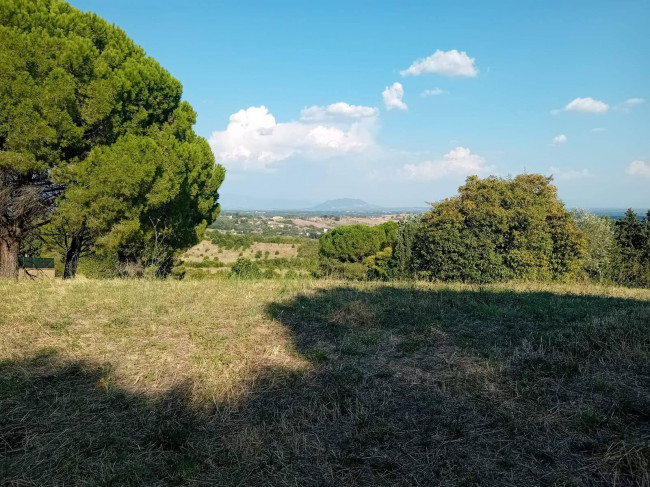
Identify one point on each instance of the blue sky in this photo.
(299, 99)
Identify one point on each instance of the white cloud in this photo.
(459, 161)
(571, 174)
(586, 105)
(630, 103)
(337, 111)
(638, 168)
(598, 129)
(434, 92)
(559, 139)
(634, 101)
(254, 140)
(449, 63)
(393, 97)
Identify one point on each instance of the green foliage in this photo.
(378, 264)
(498, 229)
(230, 241)
(633, 238)
(82, 102)
(353, 271)
(206, 263)
(402, 263)
(602, 249)
(244, 268)
(353, 243)
(146, 197)
(99, 266)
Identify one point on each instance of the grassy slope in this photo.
(323, 383)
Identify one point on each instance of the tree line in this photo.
(495, 229)
(97, 150)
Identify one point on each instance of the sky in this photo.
(397, 103)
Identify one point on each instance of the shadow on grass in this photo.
(408, 387)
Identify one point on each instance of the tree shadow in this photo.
(63, 422)
(406, 387)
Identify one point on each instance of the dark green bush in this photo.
(403, 264)
(353, 243)
(499, 229)
(244, 268)
(633, 239)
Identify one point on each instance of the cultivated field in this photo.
(302, 382)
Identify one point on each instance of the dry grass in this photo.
(323, 383)
(228, 256)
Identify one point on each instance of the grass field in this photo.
(322, 383)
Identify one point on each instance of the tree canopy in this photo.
(353, 243)
(499, 229)
(86, 116)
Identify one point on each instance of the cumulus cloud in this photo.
(559, 139)
(446, 63)
(254, 140)
(434, 92)
(459, 161)
(393, 97)
(570, 174)
(638, 168)
(586, 105)
(337, 111)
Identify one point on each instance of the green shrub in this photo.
(602, 248)
(205, 263)
(403, 264)
(499, 229)
(99, 266)
(378, 264)
(633, 240)
(353, 243)
(355, 271)
(244, 268)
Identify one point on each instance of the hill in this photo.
(299, 382)
(345, 205)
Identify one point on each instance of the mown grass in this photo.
(323, 383)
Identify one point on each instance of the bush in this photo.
(206, 263)
(378, 264)
(499, 229)
(354, 271)
(99, 266)
(403, 264)
(353, 243)
(602, 248)
(633, 240)
(244, 268)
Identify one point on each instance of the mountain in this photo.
(345, 204)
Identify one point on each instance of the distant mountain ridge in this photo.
(345, 204)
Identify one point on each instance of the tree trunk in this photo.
(72, 257)
(9, 249)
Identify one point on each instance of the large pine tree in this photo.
(73, 88)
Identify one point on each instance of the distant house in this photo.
(37, 267)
